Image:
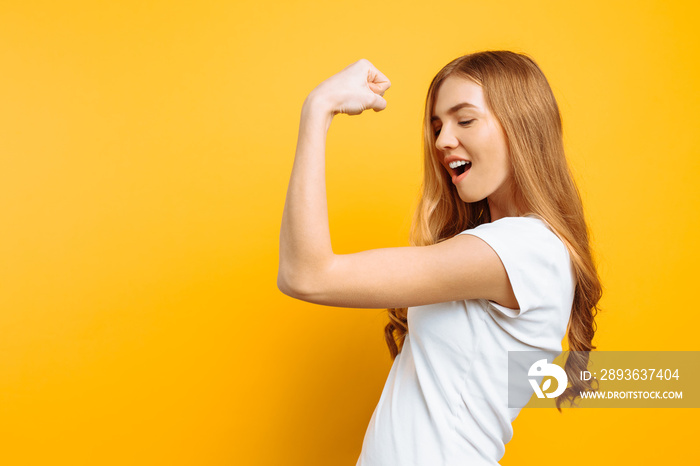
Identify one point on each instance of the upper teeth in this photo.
(458, 163)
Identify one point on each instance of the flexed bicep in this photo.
(463, 267)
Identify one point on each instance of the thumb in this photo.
(378, 104)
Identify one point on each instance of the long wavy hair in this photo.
(518, 94)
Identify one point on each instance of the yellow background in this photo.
(145, 148)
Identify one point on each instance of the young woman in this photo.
(500, 258)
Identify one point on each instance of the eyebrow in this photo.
(454, 109)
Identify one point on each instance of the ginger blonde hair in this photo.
(519, 96)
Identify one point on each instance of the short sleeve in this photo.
(535, 259)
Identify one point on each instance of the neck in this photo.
(503, 205)
(497, 212)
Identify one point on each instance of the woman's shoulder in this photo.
(522, 234)
(529, 222)
(536, 260)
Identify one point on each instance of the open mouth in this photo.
(460, 166)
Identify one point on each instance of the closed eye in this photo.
(461, 123)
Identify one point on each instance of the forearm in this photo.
(305, 243)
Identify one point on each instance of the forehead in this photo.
(456, 90)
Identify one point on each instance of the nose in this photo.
(445, 140)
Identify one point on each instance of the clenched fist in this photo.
(357, 88)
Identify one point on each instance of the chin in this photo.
(470, 198)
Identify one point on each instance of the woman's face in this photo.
(472, 146)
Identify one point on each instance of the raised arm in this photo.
(305, 244)
(463, 267)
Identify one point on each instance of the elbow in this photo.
(298, 285)
(286, 285)
(293, 285)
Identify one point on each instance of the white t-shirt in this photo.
(445, 401)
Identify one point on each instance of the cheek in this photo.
(495, 154)
(492, 136)
(499, 149)
(498, 141)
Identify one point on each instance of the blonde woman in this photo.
(500, 258)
